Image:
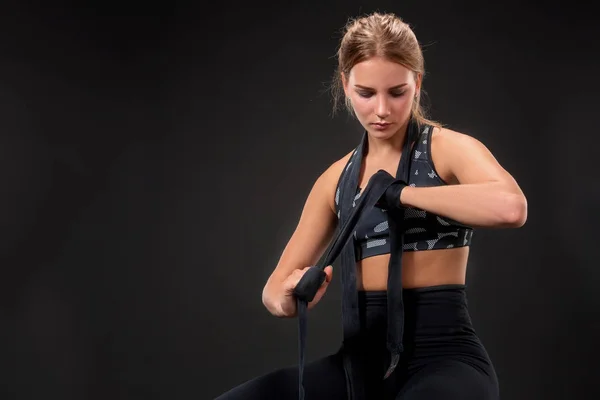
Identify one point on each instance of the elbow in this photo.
(268, 301)
(515, 211)
(263, 297)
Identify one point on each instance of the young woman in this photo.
(453, 184)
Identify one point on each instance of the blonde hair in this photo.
(382, 35)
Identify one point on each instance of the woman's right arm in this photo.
(309, 241)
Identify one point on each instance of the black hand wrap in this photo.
(309, 284)
(391, 197)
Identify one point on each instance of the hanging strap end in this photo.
(393, 364)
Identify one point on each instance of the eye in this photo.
(398, 94)
(364, 94)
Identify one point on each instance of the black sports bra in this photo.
(422, 230)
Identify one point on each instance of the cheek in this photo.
(361, 106)
(401, 104)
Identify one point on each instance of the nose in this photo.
(382, 109)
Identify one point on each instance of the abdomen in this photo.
(419, 269)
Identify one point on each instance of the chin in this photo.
(386, 134)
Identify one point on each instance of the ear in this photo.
(418, 81)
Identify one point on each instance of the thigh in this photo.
(450, 380)
(323, 379)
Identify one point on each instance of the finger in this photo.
(320, 293)
(326, 281)
(291, 282)
(328, 273)
(289, 285)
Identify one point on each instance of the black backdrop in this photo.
(155, 159)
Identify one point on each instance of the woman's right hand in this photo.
(288, 304)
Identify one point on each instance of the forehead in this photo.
(379, 72)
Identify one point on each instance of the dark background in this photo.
(155, 160)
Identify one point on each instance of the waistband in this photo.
(429, 311)
(448, 294)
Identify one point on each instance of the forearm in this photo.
(479, 205)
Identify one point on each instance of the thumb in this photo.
(328, 273)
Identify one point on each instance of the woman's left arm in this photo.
(485, 195)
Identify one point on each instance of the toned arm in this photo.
(307, 244)
(486, 194)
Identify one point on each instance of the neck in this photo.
(382, 147)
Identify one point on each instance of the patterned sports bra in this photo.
(423, 230)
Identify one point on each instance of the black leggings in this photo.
(443, 357)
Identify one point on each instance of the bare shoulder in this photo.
(455, 153)
(451, 140)
(335, 170)
(331, 177)
(457, 146)
(444, 143)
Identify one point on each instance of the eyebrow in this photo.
(368, 88)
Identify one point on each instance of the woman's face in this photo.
(382, 93)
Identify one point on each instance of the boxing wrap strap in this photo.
(383, 191)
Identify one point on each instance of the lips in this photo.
(381, 125)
